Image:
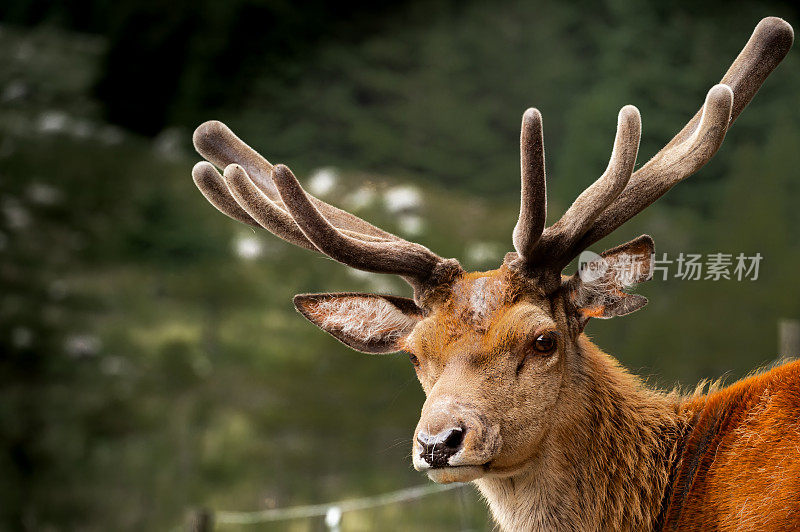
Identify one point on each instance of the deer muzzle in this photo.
(453, 442)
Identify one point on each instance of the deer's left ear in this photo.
(368, 323)
(597, 290)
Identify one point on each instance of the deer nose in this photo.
(437, 449)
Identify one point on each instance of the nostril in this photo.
(455, 438)
(437, 450)
(424, 440)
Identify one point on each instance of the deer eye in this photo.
(545, 343)
(414, 360)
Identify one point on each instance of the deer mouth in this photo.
(459, 473)
(463, 466)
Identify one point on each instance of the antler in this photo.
(618, 195)
(533, 204)
(253, 191)
(556, 239)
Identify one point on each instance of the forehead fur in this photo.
(485, 310)
(477, 297)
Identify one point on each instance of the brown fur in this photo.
(740, 465)
(733, 457)
(617, 455)
(586, 446)
(570, 440)
(605, 463)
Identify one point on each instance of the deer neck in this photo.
(606, 461)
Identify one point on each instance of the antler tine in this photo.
(697, 142)
(237, 196)
(560, 238)
(219, 145)
(771, 40)
(271, 215)
(212, 186)
(533, 203)
(262, 209)
(400, 257)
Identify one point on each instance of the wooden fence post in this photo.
(200, 520)
(788, 338)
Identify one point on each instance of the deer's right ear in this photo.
(368, 323)
(598, 290)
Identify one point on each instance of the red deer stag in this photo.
(556, 435)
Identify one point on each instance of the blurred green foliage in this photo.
(146, 367)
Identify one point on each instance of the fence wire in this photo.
(321, 510)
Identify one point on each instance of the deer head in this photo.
(492, 349)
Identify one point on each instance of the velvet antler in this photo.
(619, 194)
(253, 191)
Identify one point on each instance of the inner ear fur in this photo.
(602, 295)
(370, 323)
